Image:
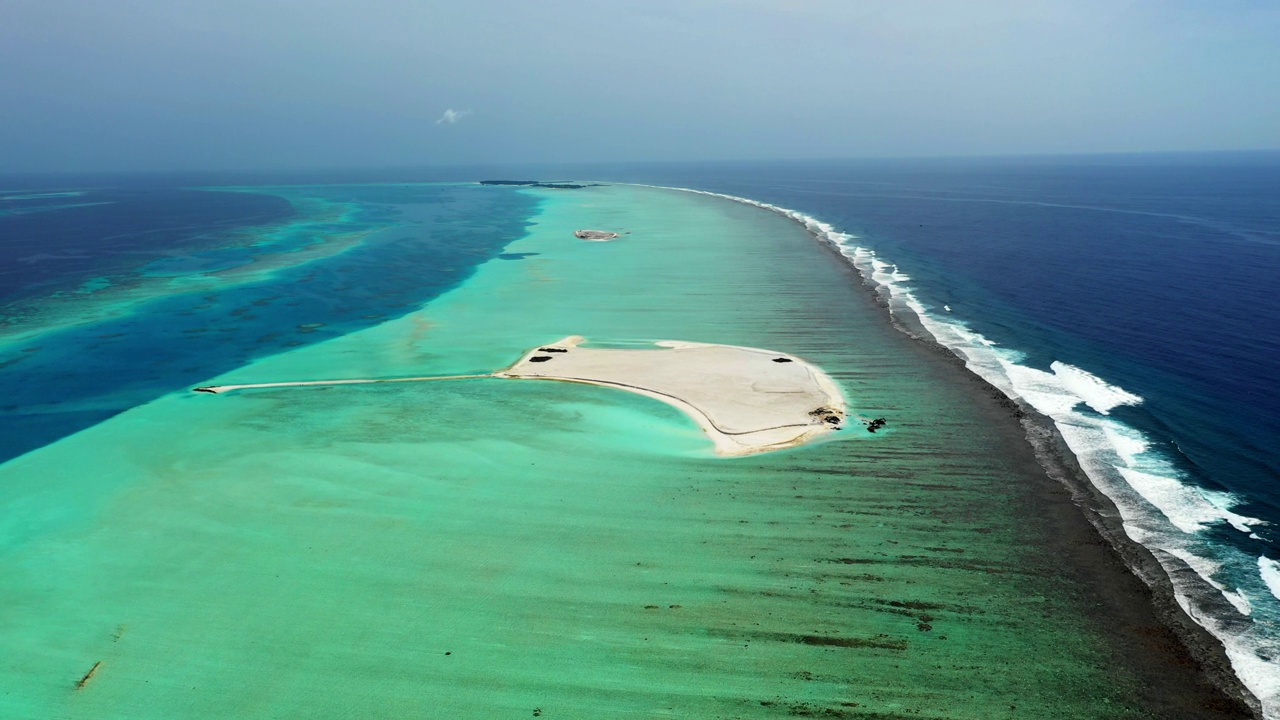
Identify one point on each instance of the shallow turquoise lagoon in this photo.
(490, 548)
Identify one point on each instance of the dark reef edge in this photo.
(1124, 575)
(1182, 666)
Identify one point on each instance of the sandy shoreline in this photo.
(746, 400)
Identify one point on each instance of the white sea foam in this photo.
(1096, 392)
(1206, 569)
(1128, 444)
(1240, 600)
(1183, 504)
(1158, 508)
(1270, 571)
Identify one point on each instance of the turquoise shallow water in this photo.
(487, 548)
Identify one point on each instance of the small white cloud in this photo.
(452, 116)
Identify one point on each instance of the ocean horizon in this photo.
(1116, 334)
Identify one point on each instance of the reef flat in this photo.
(388, 549)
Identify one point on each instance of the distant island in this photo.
(541, 184)
(596, 235)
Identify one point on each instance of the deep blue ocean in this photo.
(1134, 299)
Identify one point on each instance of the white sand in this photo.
(218, 389)
(743, 398)
(745, 401)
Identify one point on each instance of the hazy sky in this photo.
(242, 84)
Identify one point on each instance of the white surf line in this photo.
(220, 389)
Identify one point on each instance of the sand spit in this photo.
(219, 389)
(747, 400)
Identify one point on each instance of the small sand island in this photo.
(746, 400)
(596, 235)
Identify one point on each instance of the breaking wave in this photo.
(1232, 594)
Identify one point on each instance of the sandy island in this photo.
(747, 400)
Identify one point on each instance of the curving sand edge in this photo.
(747, 400)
